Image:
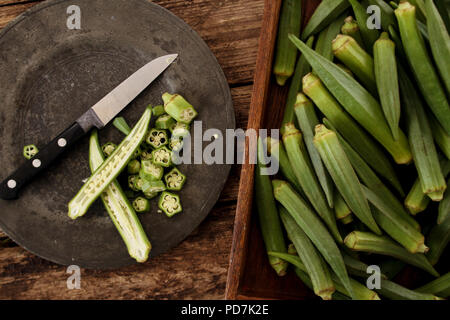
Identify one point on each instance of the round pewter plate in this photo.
(50, 75)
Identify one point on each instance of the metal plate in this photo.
(50, 75)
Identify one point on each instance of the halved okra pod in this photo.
(30, 151)
(301, 70)
(178, 108)
(438, 240)
(369, 35)
(352, 132)
(108, 148)
(314, 229)
(421, 140)
(269, 218)
(387, 81)
(301, 164)
(358, 102)
(162, 157)
(317, 269)
(421, 64)
(170, 203)
(157, 138)
(119, 208)
(307, 120)
(140, 204)
(439, 41)
(341, 209)
(325, 13)
(371, 180)
(372, 243)
(285, 57)
(110, 168)
(395, 227)
(439, 286)
(343, 175)
(350, 53)
(351, 28)
(175, 180)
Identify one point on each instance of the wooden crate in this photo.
(250, 275)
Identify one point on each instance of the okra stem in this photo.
(290, 22)
(416, 201)
(369, 242)
(351, 28)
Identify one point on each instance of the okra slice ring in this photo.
(30, 151)
(352, 132)
(314, 229)
(178, 108)
(421, 64)
(120, 209)
(150, 187)
(175, 180)
(150, 171)
(109, 148)
(421, 141)
(131, 182)
(141, 204)
(350, 53)
(268, 216)
(176, 144)
(307, 119)
(134, 166)
(162, 157)
(439, 41)
(164, 122)
(170, 203)
(343, 175)
(317, 269)
(110, 168)
(387, 80)
(439, 286)
(138, 183)
(303, 170)
(285, 53)
(146, 155)
(351, 28)
(157, 138)
(358, 102)
(372, 243)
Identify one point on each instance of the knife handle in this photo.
(9, 188)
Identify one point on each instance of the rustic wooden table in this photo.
(197, 268)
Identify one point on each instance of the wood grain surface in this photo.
(197, 268)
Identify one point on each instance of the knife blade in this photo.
(97, 116)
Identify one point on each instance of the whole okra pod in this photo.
(438, 240)
(416, 201)
(341, 209)
(441, 137)
(369, 35)
(439, 286)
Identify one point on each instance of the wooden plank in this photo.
(13, 2)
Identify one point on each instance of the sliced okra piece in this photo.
(170, 203)
(30, 151)
(134, 166)
(140, 204)
(121, 124)
(150, 171)
(146, 155)
(150, 187)
(178, 108)
(175, 180)
(157, 138)
(138, 183)
(131, 182)
(162, 157)
(158, 111)
(180, 130)
(108, 148)
(164, 122)
(150, 195)
(176, 144)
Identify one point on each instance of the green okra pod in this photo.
(350, 53)
(301, 70)
(314, 229)
(326, 13)
(394, 291)
(307, 120)
(422, 65)
(269, 219)
(439, 286)
(421, 140)
(369, 35)
(398, 229)
(444, 206)
(326, 36)
(441, 137)
(372, 243)
(444, 11)
(316, 268)
(358, 102)
(387, 14)
(386, 77)
(341, 209)
(355, 135)
(301, 164)
(421, 11)
(439, 42)
(351, 28)
(343, 175)
(285, 57)
(438, 240)
(416, 201)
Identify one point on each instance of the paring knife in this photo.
(97, 116)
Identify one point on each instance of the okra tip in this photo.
(341, 41)
(321, 131)
(301, 100)
(281, 80)
(167, 97)
(351, 240)
(309, 80)
(436, 196)
(277, 184)
(289, 129)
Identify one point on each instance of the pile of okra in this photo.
(364, 154)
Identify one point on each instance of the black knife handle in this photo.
(9, 188)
